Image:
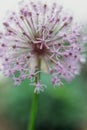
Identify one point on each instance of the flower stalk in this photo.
(33, 113)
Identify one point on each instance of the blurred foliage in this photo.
(63, 108)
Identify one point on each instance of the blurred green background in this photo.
(61, 108)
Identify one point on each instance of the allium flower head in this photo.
(38, 32)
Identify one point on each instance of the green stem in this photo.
(33, 112)
(34, 103)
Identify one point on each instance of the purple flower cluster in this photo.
(40, 32)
